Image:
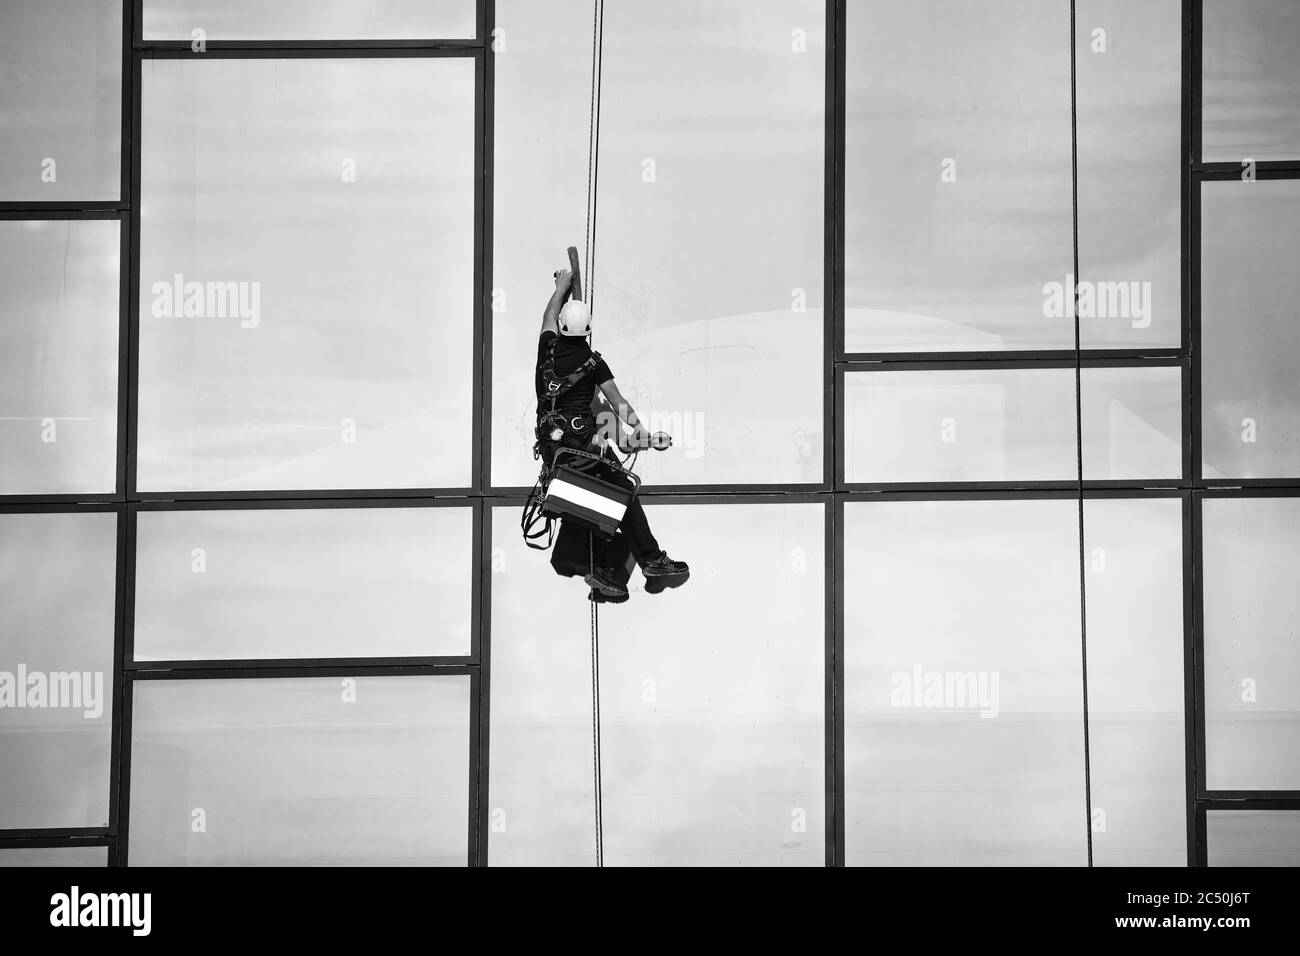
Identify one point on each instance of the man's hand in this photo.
(551, 316)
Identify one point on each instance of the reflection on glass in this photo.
(541, 763)
(1132, 423)
(1129, 95)
(59, 293)
(1137, 749)
(339, 582)
(707, 278)
(712, 705)
(76, 856)
(60, 100)
(1250, 94)
(1003, 424)
(366, 771)
(960, 425)
(1252, 651)
(57, 576)
(539, 206)
(1253, 837)
(1249, 289)
(306, 306)
(963, 684)
(958, 181)
(309, 19)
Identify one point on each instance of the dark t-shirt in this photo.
(570, 352)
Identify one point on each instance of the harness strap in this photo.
(558, 385)
(532, 517)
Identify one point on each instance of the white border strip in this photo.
(587, 499)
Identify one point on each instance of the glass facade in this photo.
(712, 708)
(972, 322)
(347, 362)
(245, 772)
(1254, 838)
(59, 390)
(336, 20)
(57, 634)
(61, 101)
(962, 684)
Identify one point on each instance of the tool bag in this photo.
(579, 490)
(586, 490)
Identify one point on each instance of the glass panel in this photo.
(1134, 562)
(1250, 95)
(1002, 424)
(57, 590)
(1129, 99)
(1132, 423)
(542, 788)
(960, 425)
(58, 356)
(712, 706)
(539, 207)
(1252, 654)
(706, 276)
(1253, 837)
(958, 175)
(60, 100)
(963, 684)
(306, 313)
(1249, 333)
(309, 19)
(338, 582)
(78, 856)
(368, 771)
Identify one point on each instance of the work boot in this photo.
(663, 572)
(597, 598)
(603, 581)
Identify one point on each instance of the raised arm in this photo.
(551, 317)
(622, 408)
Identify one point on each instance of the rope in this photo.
(1078, 433)
(593, 145)
(588, 268)
(595, 714)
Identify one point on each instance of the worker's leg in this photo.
(635, 526)
(640, 538)
(660, 571)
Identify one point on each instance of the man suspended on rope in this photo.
(563, 344)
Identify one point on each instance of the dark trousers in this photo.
(640, 539)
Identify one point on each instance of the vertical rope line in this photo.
(595, 157)
(595, 716)
(588, 267)
(1078, 424)
(593, 143)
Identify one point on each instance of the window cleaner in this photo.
(583, 484)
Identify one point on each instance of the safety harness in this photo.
(552, 426)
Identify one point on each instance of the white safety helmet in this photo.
(575, 318)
